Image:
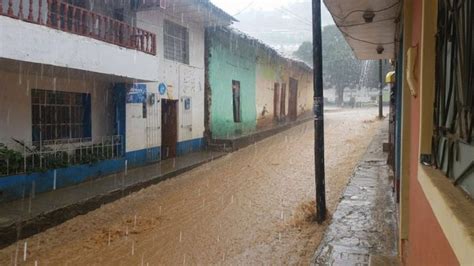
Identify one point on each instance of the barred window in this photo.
(453, 140)
(60, 115)
(176, 42)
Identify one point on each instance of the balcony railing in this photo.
(66, 17)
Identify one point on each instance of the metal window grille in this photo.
(453, 147)
(59, 115)
(176, 42)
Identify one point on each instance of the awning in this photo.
(369, 26)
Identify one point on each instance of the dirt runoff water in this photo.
(250, 207)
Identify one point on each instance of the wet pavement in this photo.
(363, 230)
(248, 207)
(21, 218)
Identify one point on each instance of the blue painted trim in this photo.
(189, 146)
(17, 186)
(146, 156)
(143, 157)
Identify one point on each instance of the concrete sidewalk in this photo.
(363, 230)
(31, 215)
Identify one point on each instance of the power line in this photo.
(363, 10)
(365, 23)
(365, 41)
(245, 8)
(305, 21)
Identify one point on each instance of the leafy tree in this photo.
(305, 53)
(341, 68)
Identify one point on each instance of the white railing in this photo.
(17, 156)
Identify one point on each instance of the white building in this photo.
(174, 122)
(79, 87)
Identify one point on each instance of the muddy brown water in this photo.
(249, 207)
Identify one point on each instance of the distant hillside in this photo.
(283, 28)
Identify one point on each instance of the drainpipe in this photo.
(380, 90)
(318, 110)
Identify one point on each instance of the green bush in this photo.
(11, 161)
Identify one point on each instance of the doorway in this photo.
(283, 101)
(293, 100)
(276, 102)
(236, 101)
(169, 125)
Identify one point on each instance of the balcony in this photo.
(57, 33)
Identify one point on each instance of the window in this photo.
(453, 145)
(60, 115)
(176, 42)
(236, 100)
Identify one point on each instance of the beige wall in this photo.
(305, 87)
(268, 73)
(15, 101)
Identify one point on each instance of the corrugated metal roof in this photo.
(261, 45)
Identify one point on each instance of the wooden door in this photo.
(283, 101)
(293, 100)
(169, 128)
(276, 101)
(236, 101)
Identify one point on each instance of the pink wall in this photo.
(427, 245)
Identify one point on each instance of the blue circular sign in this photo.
(162, 88)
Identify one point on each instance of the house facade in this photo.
(250, 86)
(89, 88)
(169, 120)
(430, 43)
(231, 83)
(284, 89)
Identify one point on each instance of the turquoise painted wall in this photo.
(231, 58)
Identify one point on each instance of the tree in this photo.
(340, 67)
(305, 53)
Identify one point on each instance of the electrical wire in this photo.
(365, 23)
(365, 41)
(245, 8)
(363, 10)
(305, 21)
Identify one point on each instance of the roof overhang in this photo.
(198, 11)
(369, 40)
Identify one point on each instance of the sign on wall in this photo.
(187, 113)
(137, 94)
(162, 88)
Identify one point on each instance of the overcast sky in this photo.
(234, 7)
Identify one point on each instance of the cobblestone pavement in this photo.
(364, 223)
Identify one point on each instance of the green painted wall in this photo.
(231, 58)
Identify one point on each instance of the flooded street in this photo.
(249, 207)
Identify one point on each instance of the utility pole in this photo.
(380, 90)
(318, 114)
